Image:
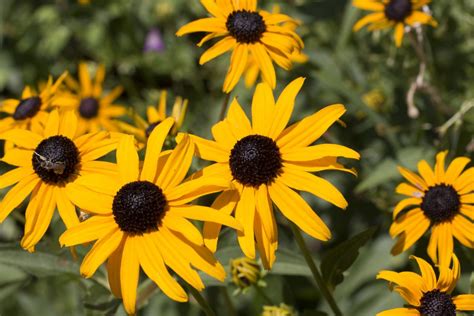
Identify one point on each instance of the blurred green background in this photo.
(365, 71)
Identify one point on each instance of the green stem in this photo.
(224, 107)
(228, 302)
(263, 295)
(202, 301)
(314, 270)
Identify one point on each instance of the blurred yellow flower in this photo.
(440, 199)
(31, 110)
(395, 14)
(247, 31)
(282, 310)
(154, 116)
(245, 272)
(95, 109)
(425, 294)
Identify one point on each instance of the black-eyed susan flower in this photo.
(425, 294)
(246, 31)
(440, 199)
(396, 14)
(95, 109)
(266, 161)
(154, 116)
(49, 166)
(145, 223)
(245, 272)
(31, 110)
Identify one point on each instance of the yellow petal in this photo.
(244, 213)
(370, 18)
(127, 159)
(455, 169)
(464, 302)
(203, 213)
(13, 176)
(309, 129)
(399, 32)
(263, 106)
(265, 63)
(203, 25)
(284, 107)
(177, 166)
(368, 5)
(238, 62)
(318, 152)
(413, 178)
(298, 211)
(22, 138)
(184, 227)
(113, 270)
(427, 273)
(304, 181)
(18, 157)
(68, 124)
(439, 167)
(221, 47)
(152, 263)
(52, 124)
(224, 203)
(17, 195)
(101, 250)
(191, 190)
(426, 172)
(207, 150)
(129, 273)
(66, 209)
(153, 149)
(402, 311)
(238, 121)
(39, 218)
(89, 200)
(91, 229)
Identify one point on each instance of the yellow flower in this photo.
(95, 109)
(247, 32)
(297, 56)
(144, 220)
(440, 199)
(245, 272)
(30, 111)
(49, 166)
(264, 161)
(155, 115)
(395, 14)
(426, 294)
(282, 310)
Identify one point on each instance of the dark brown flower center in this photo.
(55, 160)
(437, 303)
(398, 10)
(139, 207)
(150, 128)
(27, 108)
(246, 26)
(441, 203)
(255, 160)
(89, 108)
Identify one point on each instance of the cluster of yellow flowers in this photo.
(139, 212)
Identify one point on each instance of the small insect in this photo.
(83, 216)
(45, 163)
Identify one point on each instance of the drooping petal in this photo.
(238, 62)
(224, 203)
(245, 213)
(130, 272)
(101, 250)
(298, 211)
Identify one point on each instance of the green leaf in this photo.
(383, 172)
(340, 258)
(38, 264)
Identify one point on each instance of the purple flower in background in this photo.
(154, 41)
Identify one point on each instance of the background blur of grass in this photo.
(364, 71)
